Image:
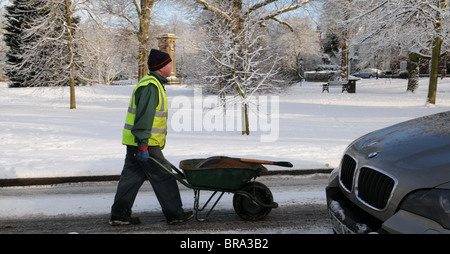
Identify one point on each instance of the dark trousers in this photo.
(134, 174)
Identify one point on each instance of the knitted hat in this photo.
(157, 59)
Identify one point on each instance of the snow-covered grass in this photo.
(41, 137)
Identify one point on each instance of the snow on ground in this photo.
(42, 137)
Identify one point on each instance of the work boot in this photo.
(120, 221)
(183, 218)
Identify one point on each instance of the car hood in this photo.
(416, 152)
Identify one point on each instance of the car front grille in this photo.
(374, 187)
(348, 168)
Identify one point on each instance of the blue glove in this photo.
(142, 154)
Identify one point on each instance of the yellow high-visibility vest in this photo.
(159, 128)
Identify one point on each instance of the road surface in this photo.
(54, 210)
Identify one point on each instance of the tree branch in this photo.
(214, 9)
(283, 23)
(286, 9)
(273, 14)
(259, 5)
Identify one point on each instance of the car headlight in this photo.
(433, 204)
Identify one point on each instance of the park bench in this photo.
(349, 86)
(335, 84)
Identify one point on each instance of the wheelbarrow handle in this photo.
(180, 177)
(277, 163)
(177, 170)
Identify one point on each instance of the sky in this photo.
(172, 11)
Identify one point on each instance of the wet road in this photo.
(302, 210)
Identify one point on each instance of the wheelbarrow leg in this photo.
(197, 201)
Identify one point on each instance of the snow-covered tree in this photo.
(45, 49)
(262, 10)
(236, 46)
(300, 50)
(239, 63)
(107, 53)
(418, 28)
(334, 16)
(18, 16)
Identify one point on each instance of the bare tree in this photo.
(138, 15)
(101, 62)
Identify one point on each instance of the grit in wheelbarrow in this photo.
(251, 201)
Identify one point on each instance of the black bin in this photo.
(351, 86)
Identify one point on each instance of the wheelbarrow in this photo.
(252, 200)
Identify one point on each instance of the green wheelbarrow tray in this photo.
(252, 200)
(225, 177)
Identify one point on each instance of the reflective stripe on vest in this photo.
(159, 128)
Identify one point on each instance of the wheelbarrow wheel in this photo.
(248, 209)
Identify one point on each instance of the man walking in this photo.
(144, 135)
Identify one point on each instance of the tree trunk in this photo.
(237, 18)
(434, 70)
(413, 72)
(245, 123)
(71, 55)
(143, 55)
(436, 56)
(239, 24)
(344, 43)
(344, 59)
(143, 35)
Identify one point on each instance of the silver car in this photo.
(394, 180)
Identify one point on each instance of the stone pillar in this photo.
(166, 43)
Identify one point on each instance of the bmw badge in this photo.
(373, 155)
